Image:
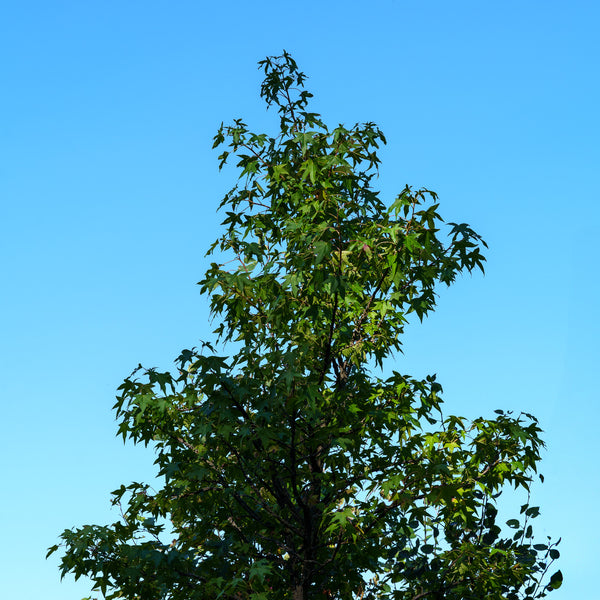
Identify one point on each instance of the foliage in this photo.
(290, 470)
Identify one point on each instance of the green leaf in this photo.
(556, 580)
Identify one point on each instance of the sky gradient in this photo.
(109, 190)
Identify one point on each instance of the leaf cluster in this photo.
(290, 470)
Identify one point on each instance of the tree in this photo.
(290, 469)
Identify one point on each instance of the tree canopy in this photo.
(288, 468)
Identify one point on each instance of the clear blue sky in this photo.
(109, 187)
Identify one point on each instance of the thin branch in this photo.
(327, 358)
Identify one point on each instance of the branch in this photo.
(444, 588)
(327, 358)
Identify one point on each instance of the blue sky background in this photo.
(109, 187)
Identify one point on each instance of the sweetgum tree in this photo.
(290, 469)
